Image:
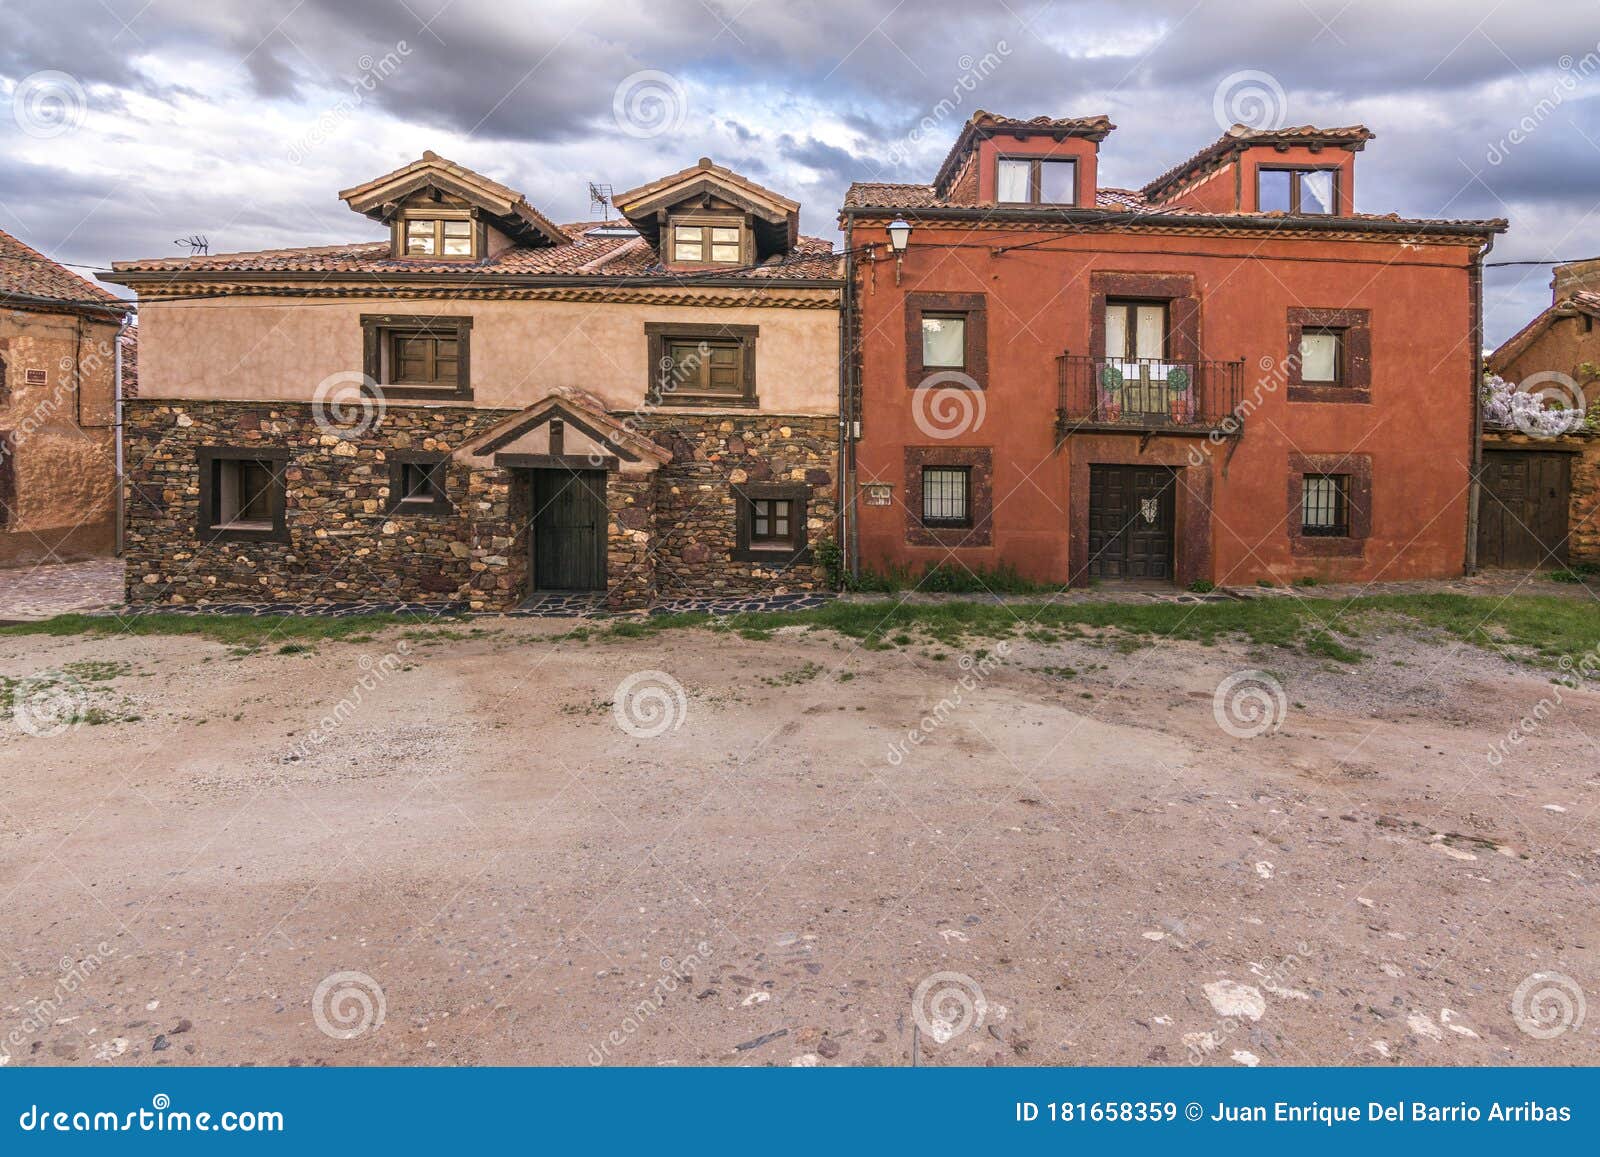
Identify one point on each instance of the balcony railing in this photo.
(1147, 394)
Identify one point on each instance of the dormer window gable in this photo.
(437, 210)
(709, 218)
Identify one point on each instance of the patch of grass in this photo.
(1309, 580)
(1202, 586)
(942, 578)
(296, 649)
(1534, 629)
(96, 670)
(802, 674)
(237, 630)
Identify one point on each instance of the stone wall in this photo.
(1584, 510)
(696, 522)
(342, 545)
(669, 534)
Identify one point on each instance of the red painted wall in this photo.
(1416, 429)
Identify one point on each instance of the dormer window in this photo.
(438, 237)
(1299, 192)
(1036, 181)
(705, 242)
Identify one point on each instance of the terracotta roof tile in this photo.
(1240, 137)
(597, 248)
(27, 273)
(879, 195)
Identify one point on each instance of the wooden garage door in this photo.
(1131, 521)
(1522, 511)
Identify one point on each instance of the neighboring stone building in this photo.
(1541, 496)
(488, 405)
(58, 404)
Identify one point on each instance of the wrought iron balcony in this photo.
(1147, 395)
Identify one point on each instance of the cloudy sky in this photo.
(134, 123)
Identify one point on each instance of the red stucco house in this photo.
(1227, 375)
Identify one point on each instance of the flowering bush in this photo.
(1507, 407)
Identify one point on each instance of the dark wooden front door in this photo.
(1131, 521)
(1522, 509)
(569, 530)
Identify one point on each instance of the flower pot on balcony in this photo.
(1180, 397)
(1110, 407)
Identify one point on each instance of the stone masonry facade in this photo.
(671, 533)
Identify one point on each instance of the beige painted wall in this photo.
(280, 349)
(61, 433)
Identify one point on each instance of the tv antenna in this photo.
(198, 245)
(600, 198)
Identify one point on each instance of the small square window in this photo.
(417, 484)
(242, 494)
(458, 238)
(1316, 191)
(1321, 356)
(1325, 505)
(717, 244)
(946, 496)
(771, 522)
(944, 340)
(1036, 181)
(419, 237)
(438, 236)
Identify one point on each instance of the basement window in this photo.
(771, 522)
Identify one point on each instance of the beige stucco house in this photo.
(486, 405)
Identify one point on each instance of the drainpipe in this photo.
(850, 538)
(1474, 486)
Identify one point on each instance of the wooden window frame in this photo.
(796, 549)
(208, 459)
(1036, 180)
(1355, 355)
(476, 234)
(974, 308)
(660, 336)
(963, 523)
(377, 331)
(1130, 332)
(704, 221)
(1340, 352)
(1294, 188)
(436, 504)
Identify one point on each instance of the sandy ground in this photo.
(1074, 867)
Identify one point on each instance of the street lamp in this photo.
(899, 231)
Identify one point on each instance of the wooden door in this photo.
(1523, 507)
(569, 530)
(1131, 521)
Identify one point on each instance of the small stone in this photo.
(161, 1044)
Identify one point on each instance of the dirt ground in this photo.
(475, 850)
